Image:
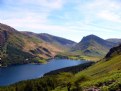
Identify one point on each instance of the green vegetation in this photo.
(44, 84)
(67, 56)
(77, 56)
(72, 69)
(38, 60)
(12, 51)
(103, 72)
(16, 57)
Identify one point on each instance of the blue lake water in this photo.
(12, 74)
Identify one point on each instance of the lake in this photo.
(12, 74)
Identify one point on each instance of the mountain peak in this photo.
(91, 38)
(92, 35)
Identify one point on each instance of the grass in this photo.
(103, 67)
(104, 75)
(101, 73)
(92, 58)
(77, 56)
(42, 61)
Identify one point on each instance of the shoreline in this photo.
(47, 61)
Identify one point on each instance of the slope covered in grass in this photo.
(106, 72)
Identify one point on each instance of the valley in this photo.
(60, 45)
(100, 69)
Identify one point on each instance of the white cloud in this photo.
(109, 16)
(108, 10)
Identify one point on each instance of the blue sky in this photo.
(71, 19)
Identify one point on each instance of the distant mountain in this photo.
(114, 40)
(93, 46)
(18, 48)
(58, 41)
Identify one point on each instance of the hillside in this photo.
(17, 48)
(92, 45)
(54, 40)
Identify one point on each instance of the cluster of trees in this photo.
(65, 56)
(43, 84)
(73, 69)
(16, 57)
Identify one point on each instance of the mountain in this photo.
(92, 45)
(18, 48)
(114, 40)
(58, 41)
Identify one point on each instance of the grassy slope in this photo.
(106, 73)
(103, 72)
(103, 67)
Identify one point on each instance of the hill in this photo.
(54, 40)
(18, 48)
(92, 45)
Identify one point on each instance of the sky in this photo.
(71, 19)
